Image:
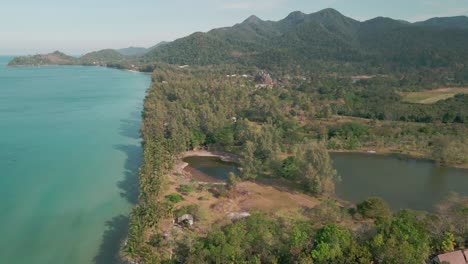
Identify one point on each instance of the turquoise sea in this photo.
(69, 154)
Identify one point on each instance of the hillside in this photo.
(55, 58)
(132, 51)
(326, 40)
(102, 57)
(458, 22)
(327, 35)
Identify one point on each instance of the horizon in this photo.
(90, 27)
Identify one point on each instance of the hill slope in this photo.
(326, 35)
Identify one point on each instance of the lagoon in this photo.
(404, 183)
(69, 153)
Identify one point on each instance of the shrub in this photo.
(174, 197)
(186, 188)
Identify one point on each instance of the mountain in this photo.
(102, 57)
(302, 41)
(458, 22)
(132, 51)
(327, 35)
(160, 44)
(54, 58)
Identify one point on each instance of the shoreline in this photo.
(381, 152)
(224, 156)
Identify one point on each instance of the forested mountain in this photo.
(311, 41)
(133, 51)
(102, 57)
(326, 35)
(460, 22)
(54, 58)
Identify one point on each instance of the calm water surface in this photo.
(212, 166)
(403, 183)
(69, 150)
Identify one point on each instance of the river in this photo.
(69, 153)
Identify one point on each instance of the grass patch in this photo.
(174, 198)
(432, 96)
(186, 189)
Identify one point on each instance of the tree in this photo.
(331, 244)
(197, 139)
(375, 208)
(318, 174)
(232, 181)
(403, 238)
(249, 163)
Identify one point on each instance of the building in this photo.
(263, 79)
(456, 257)
(185, 219)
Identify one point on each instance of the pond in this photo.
(403, 183)
(214, 167)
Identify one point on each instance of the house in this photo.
(185, 219)
(456, 257)
(263, 78)
(234, 216)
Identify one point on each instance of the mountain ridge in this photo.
(300, 39)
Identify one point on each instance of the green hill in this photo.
(55, 58)
(102, 57)
(327, 35)
(132, 51)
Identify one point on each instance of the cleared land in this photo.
(432, 96)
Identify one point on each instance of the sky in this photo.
(80, 26)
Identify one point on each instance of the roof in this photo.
(185, 217)
(455, 257)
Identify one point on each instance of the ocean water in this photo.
(69, 155)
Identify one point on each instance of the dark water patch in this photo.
(112, 240)
(129, 188)
(402, 182)
(212, 166)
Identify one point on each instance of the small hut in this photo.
(185, 219)
(456, 257)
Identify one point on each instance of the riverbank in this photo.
(389, 152)
(224, 156)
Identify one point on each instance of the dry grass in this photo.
(268, 196)
(432, 96)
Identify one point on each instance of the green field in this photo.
(432, 96)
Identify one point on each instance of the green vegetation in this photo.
(174, 197)
(280, 133)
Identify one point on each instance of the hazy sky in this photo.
(78, 26)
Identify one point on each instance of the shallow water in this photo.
(212, 166)
(69, 152)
